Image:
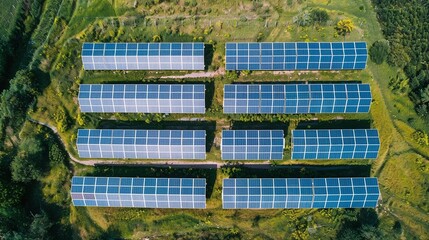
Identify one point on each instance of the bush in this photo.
(421, 138)
(303, 19)
(62, 120)
(319, 16)
(56, 154)
(379, 51)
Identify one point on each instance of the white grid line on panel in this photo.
(332, 54)
(366, 192)
(367, 143)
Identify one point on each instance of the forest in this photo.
(405, 26)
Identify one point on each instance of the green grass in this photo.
(87, 12)
(401, 165)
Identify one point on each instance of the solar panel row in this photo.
(139, 192)
(143, 56)
(239, 56)
(296, 98)
(335, 144)
(296, 56)
(256, 193)
(266, 193)
(141, 144)
(252, 144)
(142, 98)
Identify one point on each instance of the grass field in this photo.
(401, 165)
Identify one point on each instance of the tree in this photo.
(14, 101)
(10, 193)
(379, 51)
(344, 27)
(319, 16)
(14, 225)
(40, 226)
(398, 56)
(26, 166)
(424, 95)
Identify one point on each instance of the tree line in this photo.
(405, 26)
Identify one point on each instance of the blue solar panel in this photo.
(138, 192)
(142, 98)
(252, 144)
(266, 193)
(141, 144)
(335, 144)
(143, 56)
(296, 56)
(296, 98)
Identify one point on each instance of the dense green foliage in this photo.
(405, 25)
(24, 213)
(10, 20)
(15, 101)
(319, 16)
(15, 32)
(8, 188)
(379, 51)
(56, 153)
(27, 164)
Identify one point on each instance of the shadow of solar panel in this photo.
(296, 56)
(143, 56)
(296, 98)
(266, 193)
(138, 192)
(335, 144)
(142, 98)
(252, 144)
(141, 144)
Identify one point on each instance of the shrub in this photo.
(56, 154)
(319, 16)
(421, 138)
(344, 27)
(303, 19)
(62, 120)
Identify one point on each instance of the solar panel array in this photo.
(296, 56)
(142, 98)
(335, 144)
(252, 144)
(139, 192)
(143, 56)
(141, 144)
(296, 98)
(265, 193)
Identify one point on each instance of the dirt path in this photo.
(55, 130)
